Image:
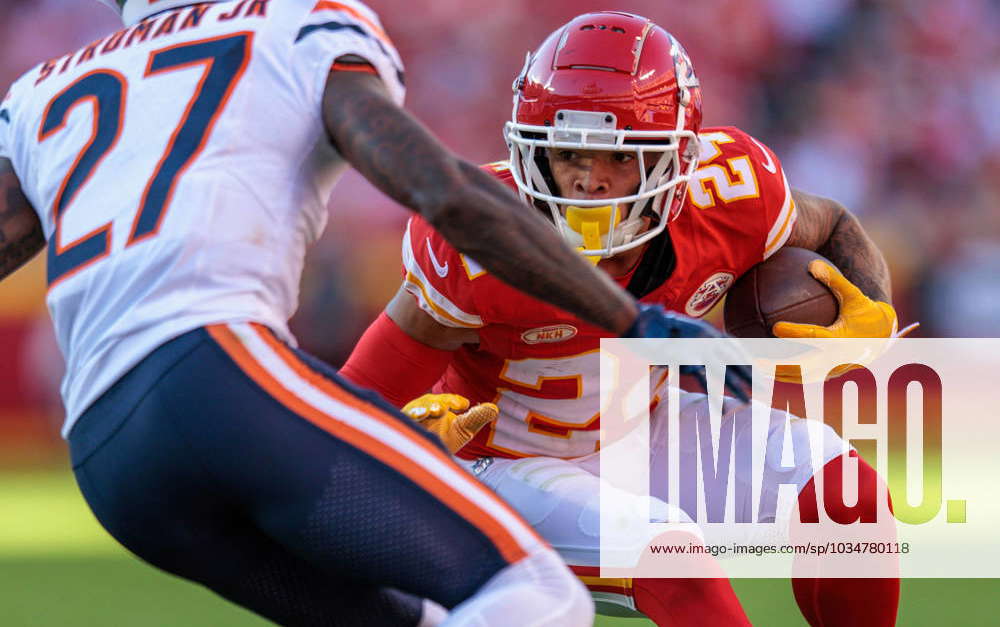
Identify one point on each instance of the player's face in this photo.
(594, 174)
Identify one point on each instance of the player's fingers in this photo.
(417, 412)
(440, 404)
(439, 426)
(793, 330)
(454, 402)
(842, 370)
(826, 274)
(788, 375)
(477, 418)
(423, 407)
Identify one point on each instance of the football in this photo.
(779, 289)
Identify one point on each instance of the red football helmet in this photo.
(608, 81)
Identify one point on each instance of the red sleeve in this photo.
(453, 288)
(778, 208)
(394, 364)
(441, 279)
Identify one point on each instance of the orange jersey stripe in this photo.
(506, 544)
(317, 379)
(360, 404)
(353, 67)
(330, 5)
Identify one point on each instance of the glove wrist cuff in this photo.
(646, 313)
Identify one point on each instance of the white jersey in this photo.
(180, 168)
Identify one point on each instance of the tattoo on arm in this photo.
(851, 250)
(380, 140)
(816, 219)
(476, 213)
(831, 230)
(21, 234)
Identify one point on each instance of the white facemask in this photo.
(663, 170)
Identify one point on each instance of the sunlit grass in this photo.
(42, 514)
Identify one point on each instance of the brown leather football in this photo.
(779, 289)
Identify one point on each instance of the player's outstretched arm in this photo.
(21, 235)
(825, 226)
(475, 213)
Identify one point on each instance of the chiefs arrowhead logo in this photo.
(708, 294)
(553, 333)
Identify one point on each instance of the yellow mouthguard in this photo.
(592, 223)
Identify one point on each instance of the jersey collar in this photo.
(137, 10)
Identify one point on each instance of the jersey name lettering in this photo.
(159, 26)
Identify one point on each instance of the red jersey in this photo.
(540, 364)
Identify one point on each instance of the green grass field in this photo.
(59, 568)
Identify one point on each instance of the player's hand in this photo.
(859, 316)
(436, 413)
(654, 321)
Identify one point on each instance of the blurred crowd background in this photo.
(891, 107)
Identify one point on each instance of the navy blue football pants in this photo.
(211, 460)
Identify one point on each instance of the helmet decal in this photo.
(684, 70)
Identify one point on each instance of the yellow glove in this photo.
(859, 316)
(436, 413)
